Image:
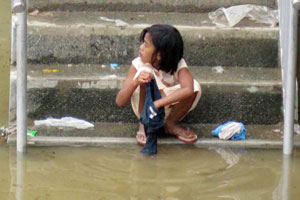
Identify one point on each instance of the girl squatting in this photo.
(161, 51)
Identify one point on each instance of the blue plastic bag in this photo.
(237, 136)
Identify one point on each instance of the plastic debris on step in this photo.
(5, 131)
(276, 130)
(114, 67)
(230, 131)
(118, 22)
(64, 122)
(253, 89)
(18, 6)
(50, 70)
(229, 17)
(31, 133)
(34, 13)
(2, 132)
(121, 23)
(297, 128)
(296, 4)
(219, 69)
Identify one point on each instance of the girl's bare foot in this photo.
(183, 134)
(141, 136)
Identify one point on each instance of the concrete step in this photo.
(127, 130)
(250, 95)
(257, 136)
(142, 5)
(81, 37)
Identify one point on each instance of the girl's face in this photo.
(147, 49)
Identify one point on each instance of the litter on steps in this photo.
(296, 4)
(229, 17)
(118, 22)
(31, 133)
(230, 131)
(64, 122)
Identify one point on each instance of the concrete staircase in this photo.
(70, 48)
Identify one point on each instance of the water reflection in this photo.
(17, 172)
(5, 15)
(20, 176)
(230, 156)
(282, 192)
(177, 172)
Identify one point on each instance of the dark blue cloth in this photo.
(152, 118)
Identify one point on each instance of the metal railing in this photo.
(288, 11)
(19, 9)
(288, 24)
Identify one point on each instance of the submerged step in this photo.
(142, 5)
(128, 130)
(250, 95)
(257, 136)
(86, 38)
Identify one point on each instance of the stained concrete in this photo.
(251, 95)
(103, 134)
(85, 38)
(249, 90)
(142, 5)
(128, 130)
(216, 106)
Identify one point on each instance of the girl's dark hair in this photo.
(168, 42)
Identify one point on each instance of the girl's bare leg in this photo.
(177, 113)
(141, 136)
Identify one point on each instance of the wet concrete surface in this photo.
(142, 5)
(265, 132)
(67, 37)
(250, 95)
(5, 12)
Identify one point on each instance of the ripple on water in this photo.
(177, 172)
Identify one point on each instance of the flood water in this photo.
(177, 172)
(4, 59)
(113, 173)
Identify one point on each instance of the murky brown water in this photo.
(113, 173)
(4, 59)
(178, 172)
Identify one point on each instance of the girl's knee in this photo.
(190, 100)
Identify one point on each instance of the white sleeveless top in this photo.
(166, 82)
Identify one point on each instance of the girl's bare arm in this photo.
(130, 85)
(187, 89)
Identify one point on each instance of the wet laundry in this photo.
(152, 118)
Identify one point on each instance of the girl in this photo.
(161, 52)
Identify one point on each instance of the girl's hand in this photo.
(144, 77)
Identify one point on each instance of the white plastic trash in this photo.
(64, 122)
(296, 4)
(229, 130)
(118, 22)
(229, 17)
